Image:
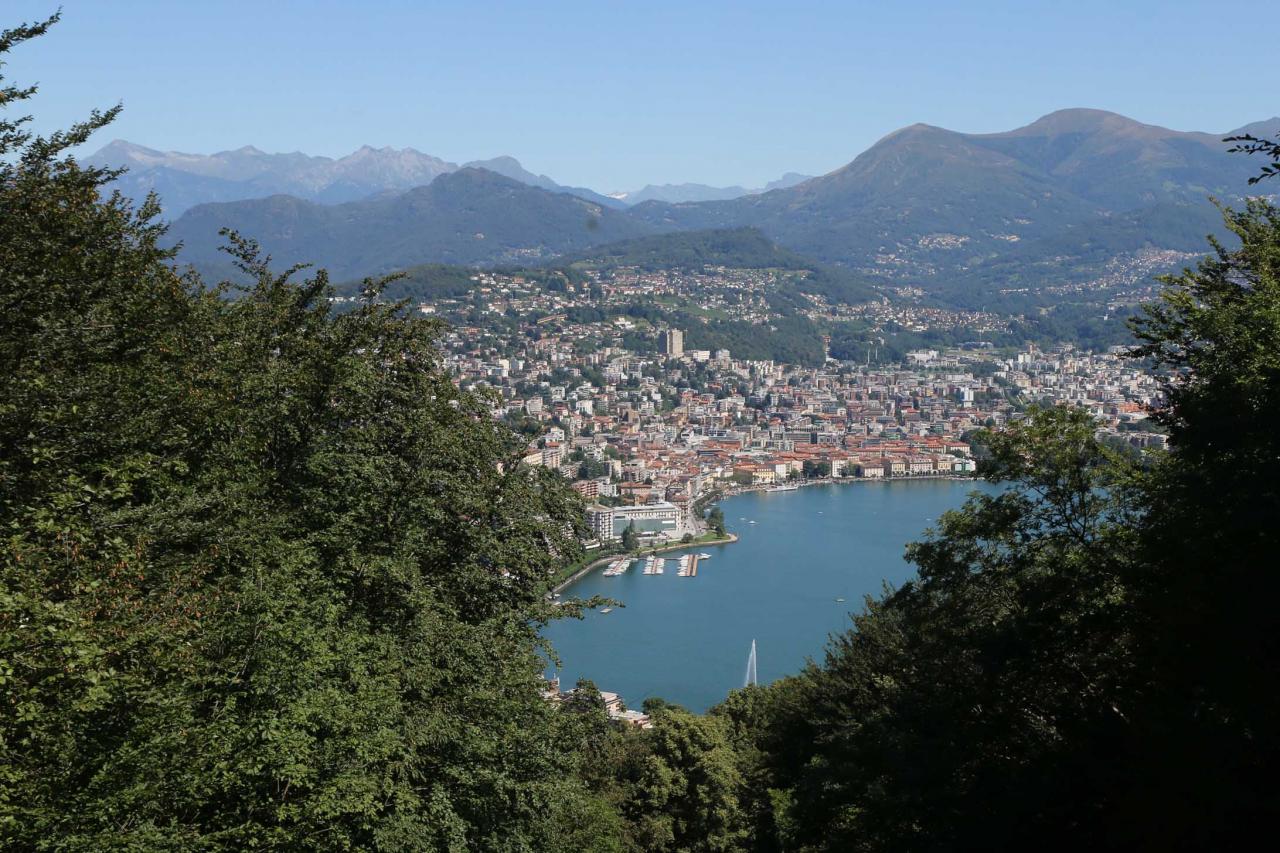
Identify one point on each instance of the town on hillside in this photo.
(650, 429)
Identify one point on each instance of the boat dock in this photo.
(688, 566)
(618, 567)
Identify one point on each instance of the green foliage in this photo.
(816, 468)
(715, 520)
(268, 579)
(684, 791)
(1208, 579)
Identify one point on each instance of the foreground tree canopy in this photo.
(269, 580)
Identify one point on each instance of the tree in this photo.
(1210, 541)
(630, 540)
(268, 577)
(687, 786)
(814, 468)
(715, 520)
(996, 677)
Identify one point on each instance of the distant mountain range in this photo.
(185, 180)
(1050, 202)
(680, 193)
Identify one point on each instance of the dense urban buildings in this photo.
(648, 428)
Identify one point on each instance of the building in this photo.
(589, 489)
(655, 519)
(673, 343)
(600, 520)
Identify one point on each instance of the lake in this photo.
(804, 561)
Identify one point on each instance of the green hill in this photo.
(471, 216)
(741, 248)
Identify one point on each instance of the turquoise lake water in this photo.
(687, 639)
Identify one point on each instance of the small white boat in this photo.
(704, 556)
(607, 610)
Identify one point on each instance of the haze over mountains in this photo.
(676, 193)
(924, 206)
(186, 180)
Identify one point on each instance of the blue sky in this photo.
(617, 95)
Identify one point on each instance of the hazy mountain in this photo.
(509, 167)
(745, 248)
(677, 193)
(680, 193)
(1266, 128)
(185, 180)
(925, 203)
(471, 216)
(790, 179)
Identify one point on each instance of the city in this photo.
(648, 435)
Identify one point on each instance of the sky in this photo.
(615, 95)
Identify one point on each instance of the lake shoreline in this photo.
(790, 583)
(734, 491)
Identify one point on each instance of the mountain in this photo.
(509, 167)
(1265, 128)
(184, 180)
(677, 193)
(1061, 201)
(471, 216)
(925, 204)
(790, 179)
(680, 193)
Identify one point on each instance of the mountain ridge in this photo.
(471, 217)
(924, 207)
(184, 180)
(925, 201)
